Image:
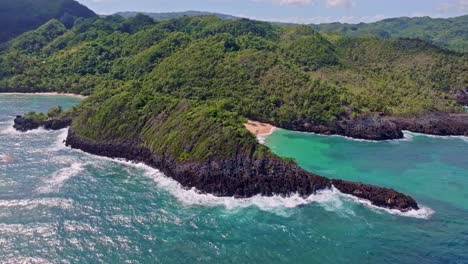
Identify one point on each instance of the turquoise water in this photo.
(59, 205)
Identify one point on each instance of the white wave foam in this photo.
(330, 200)
(58, 178)
(406, 137)
(261, 138)
(22, 259)
(59, 143)
(75, 226)
(32, 230)
(422, 213)
(10, 130)
(33, 203)
(409, 133)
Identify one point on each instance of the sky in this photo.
(295, 11)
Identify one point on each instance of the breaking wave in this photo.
(33, 203)
(55, 181)
(409, 133)
(329, 199)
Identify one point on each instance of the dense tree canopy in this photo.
(18, 16)
(258, 70)
(450, 33)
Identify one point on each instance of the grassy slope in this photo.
(182, 129)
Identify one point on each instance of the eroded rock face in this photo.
(370, 127)
(379, 196)
(462, 96)
(379, 127)
(25, 124)
(441, 124)
(243, 177)
(240, 177)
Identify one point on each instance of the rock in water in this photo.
(379, 196)
(25, 124)
(243, 177)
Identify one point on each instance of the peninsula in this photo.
(178, 95)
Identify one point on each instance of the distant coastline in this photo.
(48, 94)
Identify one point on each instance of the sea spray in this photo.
(54, 182)
(329, 199)
(422, 213)
(29, 204)
(412, 134)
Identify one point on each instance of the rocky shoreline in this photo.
(26, 124)
(240, 177)
(379, 127)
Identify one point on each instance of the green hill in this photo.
(266, 72)
(175, 94)
(18, 16)
(450, 33)
(171, 15)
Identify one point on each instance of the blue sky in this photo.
(297, 11)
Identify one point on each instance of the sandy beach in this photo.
(261, 130)
(49, 93)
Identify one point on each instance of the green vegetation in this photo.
(258, 70)
(54, 112)
(451, 33)
(183, 129)
(18, 16)
(36, 116)
(184, 87)
(173, 15)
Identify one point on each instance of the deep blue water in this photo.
(59, 205)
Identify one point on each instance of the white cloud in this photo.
(319, 19)
(460, 6)
(328, 3)
(463, 5)
(340, 3)
(289, 2)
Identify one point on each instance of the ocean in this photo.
(59, 205)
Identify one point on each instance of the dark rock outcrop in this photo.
(379, 196)
(462, 96)
(441, 124)
(379, 127)
(26, 124)
(370, 127)
(239, 177)
(243, 176)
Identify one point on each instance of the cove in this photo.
(62, 205)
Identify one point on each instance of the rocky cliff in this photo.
(25, 124)
(379, 127)
(241, 176)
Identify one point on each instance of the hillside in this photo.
(18, 16)
(174, 94)
(172, 15)
(450, 33)
(265, 72)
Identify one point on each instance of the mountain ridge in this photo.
(21, 16)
